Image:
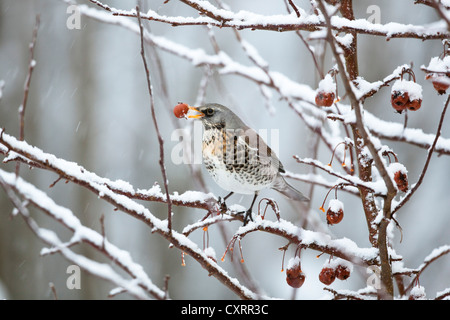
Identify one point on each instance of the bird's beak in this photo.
(195, 116)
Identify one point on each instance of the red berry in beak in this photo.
(181, 110)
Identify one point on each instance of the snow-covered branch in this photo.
(101, 187)
(139, 286)
(211, 15)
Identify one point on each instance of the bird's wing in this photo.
(248, 146)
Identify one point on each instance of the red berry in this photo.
(181, 110)
(295, 277)
(440, 87)
(327, 275)
(401, 179)
(324, 99)
(335, 212)
(342, 272)
(399, 99)
(440, 82)
(414, 105)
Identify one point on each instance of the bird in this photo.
(237, 158)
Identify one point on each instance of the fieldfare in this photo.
(237, 158)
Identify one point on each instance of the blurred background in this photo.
(88, 103)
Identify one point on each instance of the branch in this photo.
(342, 248)
(155, 122)
(23, 106)
(89, 180)
(80, 233)
(222, 18)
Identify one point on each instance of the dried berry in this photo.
(326, 92)
(406, 95)
(414, 105)
(401, 179)
(324, 99)
(399, 99)
(294, 275)
(417, 293)
(440, 82)
(342, 272)
(327, 275)
(400, 175)
(335, 212)
(438, 70)
(441, 87)
(181, 110)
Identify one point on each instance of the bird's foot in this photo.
(222, 206)
(248, 215)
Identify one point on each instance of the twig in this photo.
(155, 122)
(427, 161)
(31, 65)
(428, 260)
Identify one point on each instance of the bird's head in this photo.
(216, 115)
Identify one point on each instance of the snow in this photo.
(327, 84)
(413, 89)
(293, 262)
(437, 64)
(335, 205)
(348, 248)
(396, 167)
(81, 234)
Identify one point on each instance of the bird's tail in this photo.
(289, 191)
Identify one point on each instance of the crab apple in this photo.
(440, 82)
(401, 179)
(406, 95)
(325, 92)
(414, 105)
(335, 212)
(417, 293)
(438, 72)
(294, 274)
(400, 175)
(327, 275)
(440, 87)
(342, 272)
(399, 100)
(324, 99)
(181, 110)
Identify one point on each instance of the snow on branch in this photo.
(210, 15)
(115, 192)
(343, 248)
(106, 190)
(300, 96)
(139, 286)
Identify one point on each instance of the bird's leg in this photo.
(222, 204)
(248, 214)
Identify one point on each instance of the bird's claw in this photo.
(222, 206)
(248, 216)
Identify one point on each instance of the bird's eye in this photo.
(209, 112)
